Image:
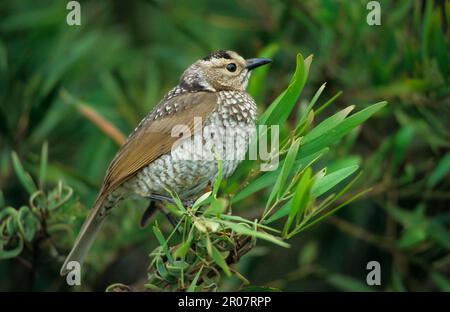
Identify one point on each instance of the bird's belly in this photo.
(192, 164)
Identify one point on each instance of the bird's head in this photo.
(220, 70)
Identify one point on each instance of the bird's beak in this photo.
(256, 62)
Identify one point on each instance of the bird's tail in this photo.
(86, 237)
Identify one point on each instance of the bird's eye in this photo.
(231, 67)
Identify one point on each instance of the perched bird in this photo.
(215, 118)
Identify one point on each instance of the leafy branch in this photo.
(208, 240)
(34, 225)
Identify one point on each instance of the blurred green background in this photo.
(127, 54)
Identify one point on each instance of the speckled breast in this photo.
(192, 163)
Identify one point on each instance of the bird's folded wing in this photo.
(153, 138)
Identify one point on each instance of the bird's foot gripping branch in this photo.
(209, 239)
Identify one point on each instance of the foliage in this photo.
(38, 225)
(82, 88)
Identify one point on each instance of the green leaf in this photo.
(285, 209)
(9, 228)
(439, 233)
(218, 258)
(9, 217)
(242, 220)
(279, 111)
(288, 164)
(341, 129)
(397, 282)
(330, 212)
(406, 217)
(340, 163)
(217, 206)
(258, 79)
(305, 124)
(259, 289)
(346, 283)
(43, 165)
(2, 199)
(60, 64)
(280, 213)
(161, 267)
(27, 222)
(309, 253)
(278, 189)
(176, 200)
(328, 103)
(3, 58)
(402, 141)
(311, 104)
(329, 181)
(412, 237)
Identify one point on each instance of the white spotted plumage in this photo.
(187, 170)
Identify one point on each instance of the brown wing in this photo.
(153, 139)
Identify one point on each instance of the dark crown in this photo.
(217, 54)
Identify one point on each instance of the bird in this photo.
(176, 148)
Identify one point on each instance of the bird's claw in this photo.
(188, 203)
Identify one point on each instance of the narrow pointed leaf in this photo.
(331, 180)
(279, 111)
(218, 258)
